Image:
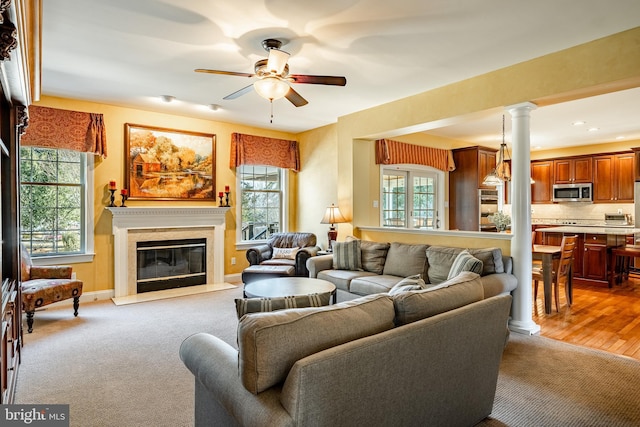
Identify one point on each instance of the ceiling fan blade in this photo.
(277, 60)
(239, 93)
(228, 73)
(318, 80)
(295, 98)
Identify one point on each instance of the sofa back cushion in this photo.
(374, 255)
(270, 343)
(405, 259)
(441, 258)
(463, 289)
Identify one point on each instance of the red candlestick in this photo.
(112, 185)
(220, 194)
(124, 192)
(226, 188)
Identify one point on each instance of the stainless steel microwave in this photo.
(573, 192)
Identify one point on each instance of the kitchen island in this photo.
(592, 260)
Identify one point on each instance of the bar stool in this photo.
(621, 259)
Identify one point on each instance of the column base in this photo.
(525, 328)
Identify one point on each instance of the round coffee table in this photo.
(289, 286)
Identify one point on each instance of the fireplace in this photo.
(168, 264)
(135, 227)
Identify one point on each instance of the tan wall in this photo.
(586, 150)
(593, 68)
(98, 275)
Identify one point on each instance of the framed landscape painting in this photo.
(168, 164)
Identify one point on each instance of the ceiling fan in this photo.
(274, 78)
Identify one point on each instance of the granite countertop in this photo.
(618, 231)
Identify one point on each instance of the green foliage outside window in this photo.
(51, 197)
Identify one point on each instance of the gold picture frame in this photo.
(169, 164)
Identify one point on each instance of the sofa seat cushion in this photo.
(499, 283)
(463, 289)
(342, 278)
(405, 259)
(373, 284)
(270, 343)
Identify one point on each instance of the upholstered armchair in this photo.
(44, 285)
(293, 249)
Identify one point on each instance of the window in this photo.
(55, 203)
(262, 199)
(412, 197)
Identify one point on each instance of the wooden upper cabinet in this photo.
(542, 174)
(613, 178)
(573, 170)
(486, 163)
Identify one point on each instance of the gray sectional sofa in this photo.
(415, 358)
(383, 265)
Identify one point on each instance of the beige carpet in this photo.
(119, 366)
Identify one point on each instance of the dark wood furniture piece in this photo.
(620, 261)
(472, 165)
(613, 178)
(19, 85)
(289, 286)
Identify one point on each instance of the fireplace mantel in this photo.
(128, 219)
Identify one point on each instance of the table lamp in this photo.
(332, 216)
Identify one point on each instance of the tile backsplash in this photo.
(575, 211)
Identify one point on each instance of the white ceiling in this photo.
(129, 52)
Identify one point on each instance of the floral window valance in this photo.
(65, 129)
(389, 152)
(259, 150)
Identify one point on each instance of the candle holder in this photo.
(124, 199)
(221, 201)
(112, 199)
(227, 198)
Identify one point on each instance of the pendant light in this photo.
(501, 172)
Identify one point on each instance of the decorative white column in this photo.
(521, 309)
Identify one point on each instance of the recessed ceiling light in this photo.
(579, 123)
(620, 137)
(593, 129)
(167, 98)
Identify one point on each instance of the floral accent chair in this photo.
(44, 285)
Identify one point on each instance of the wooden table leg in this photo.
(547, 270)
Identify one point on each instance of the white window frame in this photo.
(416, 170)
(89, 251)
(284, 209)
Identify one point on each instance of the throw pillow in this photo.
(465, 262)
(372, 254)
(346, 255)
(257, 305)
(285, 253)
(411, 283)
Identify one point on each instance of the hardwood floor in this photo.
(601, 318)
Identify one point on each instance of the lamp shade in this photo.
(271, 88)
(332, 216)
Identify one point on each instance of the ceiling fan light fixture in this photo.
(271, 88)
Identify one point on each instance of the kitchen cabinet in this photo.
(542, 174)
(573, 170)
(472, 165)
(594, 260)
(613, 180)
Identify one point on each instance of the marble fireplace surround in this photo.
(134, 224)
